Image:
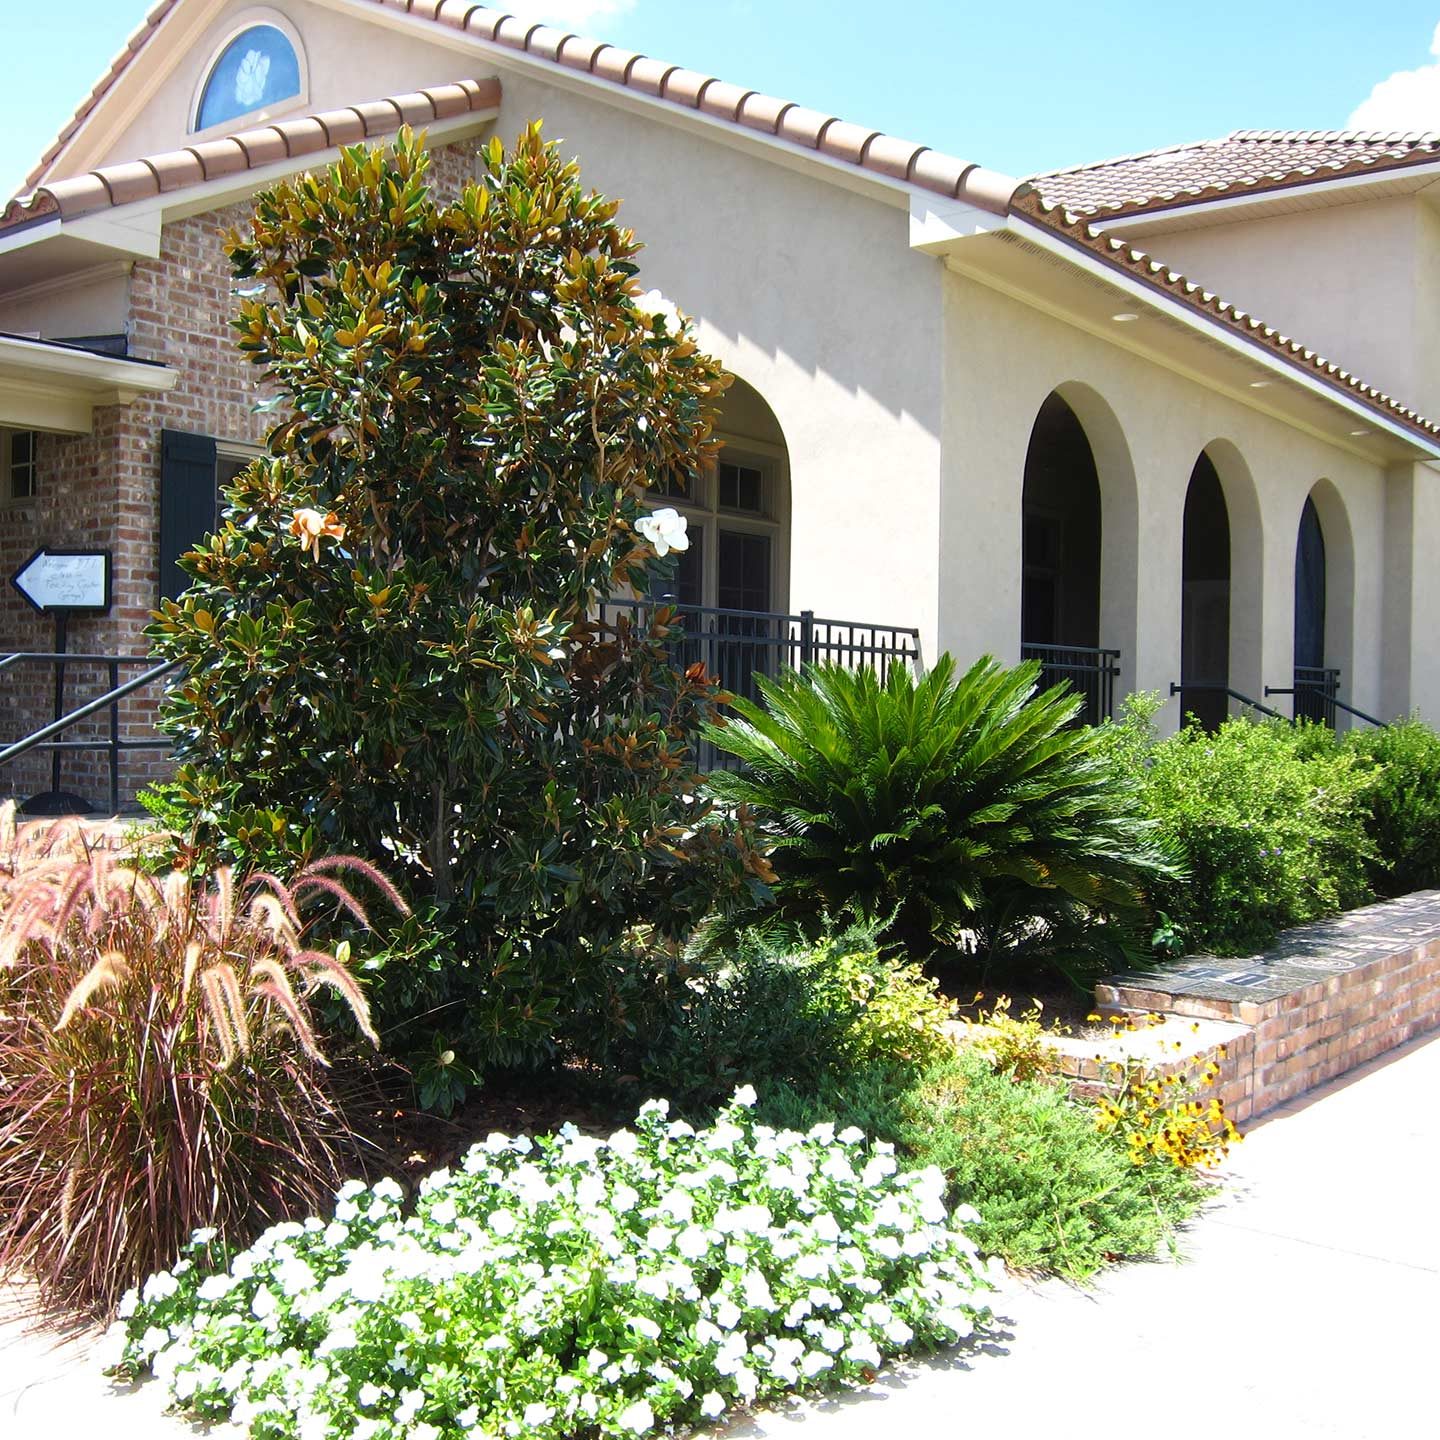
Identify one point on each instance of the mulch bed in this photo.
(407, 1143)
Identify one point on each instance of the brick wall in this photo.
(1384, 991)
(102, 490)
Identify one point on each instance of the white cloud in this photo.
(569, 13)
(1406, 100)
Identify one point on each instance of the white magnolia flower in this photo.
(655, 305)
(665, 530)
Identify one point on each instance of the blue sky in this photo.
(1032, 84)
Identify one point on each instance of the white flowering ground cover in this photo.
(570, 1287)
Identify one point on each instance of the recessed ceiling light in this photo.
(1125, 316)
(1259, 384)
(1359, 432)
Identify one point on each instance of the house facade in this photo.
(964, 403)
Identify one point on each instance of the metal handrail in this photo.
(42, 739)
(1360, 714)
(1176, 687)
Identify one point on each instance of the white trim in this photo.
(83, 370)
(1255, 351)
(239, 24)
(66, 284)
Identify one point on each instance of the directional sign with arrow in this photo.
(66, 582)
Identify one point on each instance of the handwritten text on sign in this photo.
(73, 581)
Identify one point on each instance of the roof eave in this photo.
(954, 234)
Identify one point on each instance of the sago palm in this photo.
(939, 807)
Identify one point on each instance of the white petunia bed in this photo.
(568, 1287)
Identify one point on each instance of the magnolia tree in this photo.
(392, 645)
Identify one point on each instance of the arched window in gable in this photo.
(257, 70)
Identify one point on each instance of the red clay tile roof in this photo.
(1080, 232)
(1310, 155)
(247, 150)
(828, 135)
(1244, 162)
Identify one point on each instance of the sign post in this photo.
(62, 583)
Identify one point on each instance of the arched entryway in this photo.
(1205, 598)
(734, 578)
(1078, 490)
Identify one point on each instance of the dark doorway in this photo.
(1060, 592)
(1060, 556)
(1312, 687)
(1205, 599)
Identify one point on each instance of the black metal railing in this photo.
(1089, 671)
(737, 646)
(1316, 692)
(114, 743)
(1195, 686)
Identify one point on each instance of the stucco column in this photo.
(1158, 565)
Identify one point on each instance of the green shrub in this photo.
(576, 1288)
(1052, 1191)
(951, 813)
(1402, 804)
(159, 1063)
(1270, 818)
(770, 1013)
(390, 645)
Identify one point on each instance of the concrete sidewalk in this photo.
(1307, 1304)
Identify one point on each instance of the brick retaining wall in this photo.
(1324, 1000)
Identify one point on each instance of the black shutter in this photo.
(187, 503)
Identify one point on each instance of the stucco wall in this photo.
(349, 61)
(1356, 282)
(811, 294)
(1147, 427)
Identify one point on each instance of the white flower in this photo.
(637, 1418)
(129, 1303)
(727, 1315)
(665, 530)
(625, 1199)
(204, 1235)
(644, 1325)
(216, 1287)
(692, 1243)
(757, 1291)
(536, 1413)
(745, 1095)
(653, 304)
(712, 1405)
(160, 1286)
(370, 1395)
(503, 1223)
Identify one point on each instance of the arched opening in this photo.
(1205, 598)
(733, 580)
(1311, 689)
(1061, 528)
(1324, 603)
